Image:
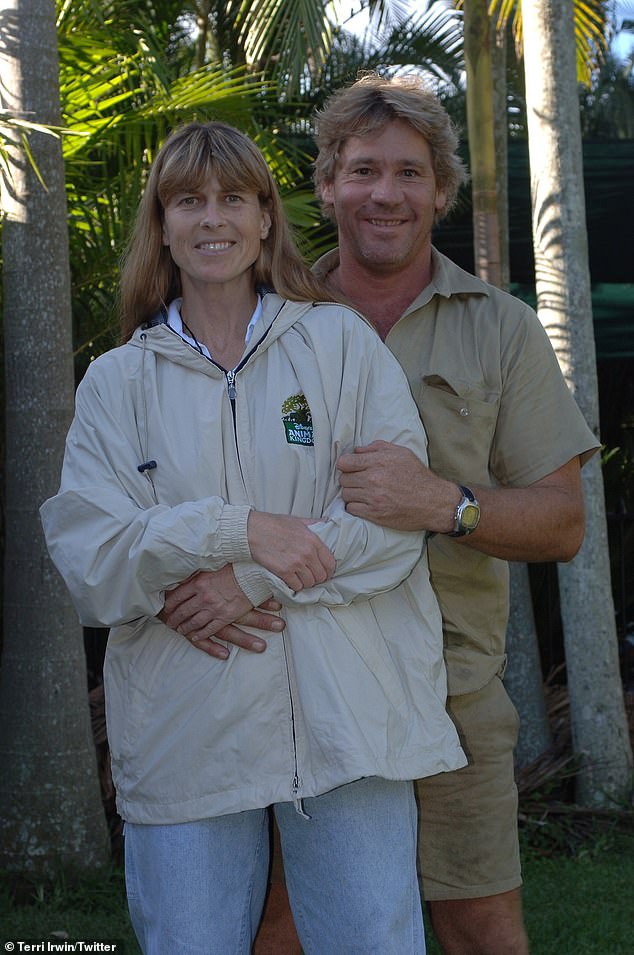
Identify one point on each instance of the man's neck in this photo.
(381, 296)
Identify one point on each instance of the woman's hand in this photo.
(285, 546)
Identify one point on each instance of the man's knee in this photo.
(492, 925)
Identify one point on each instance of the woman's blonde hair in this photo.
(366, 107)
(149, 277)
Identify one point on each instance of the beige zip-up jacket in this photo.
(165, 458)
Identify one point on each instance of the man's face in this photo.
(385, 197)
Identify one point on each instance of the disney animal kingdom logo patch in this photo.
(298, 421)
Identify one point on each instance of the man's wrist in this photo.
(466, 514)
(461, 513)
(445, 510)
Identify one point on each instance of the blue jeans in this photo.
(198, 888)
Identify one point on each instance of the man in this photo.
(506, 442)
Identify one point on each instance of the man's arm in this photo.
(387, 484)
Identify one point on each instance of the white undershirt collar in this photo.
(175, 322)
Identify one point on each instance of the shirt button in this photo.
(464, 412)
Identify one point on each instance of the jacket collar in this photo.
(277, 316)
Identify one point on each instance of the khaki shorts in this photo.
(468, 846)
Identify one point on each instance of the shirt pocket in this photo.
(460, 420)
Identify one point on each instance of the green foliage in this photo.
(128, 76)
(131, 70)
(561, 829)
(14, 129)
(607, 107)
(618, 475)
(427, 40)
(70, 906)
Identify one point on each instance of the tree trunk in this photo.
(599, 726)
(497, 40)
(50, 805)
(202, 25)
(480, 124)
(487, 123)
(523, 677)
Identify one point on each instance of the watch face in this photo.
(469, 516)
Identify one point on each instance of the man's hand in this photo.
(387, 484)
(286, 547)
(211, 603)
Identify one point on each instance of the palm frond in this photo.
(290, 38)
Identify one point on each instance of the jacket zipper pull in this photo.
(231, 385)
(298, 802)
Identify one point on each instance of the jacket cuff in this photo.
(252, 581)
(234, 541)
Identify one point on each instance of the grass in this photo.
(576, 902)
(72, 906)
(582, 904)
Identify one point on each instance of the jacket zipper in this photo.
(230, 377)
(231, 387)
(231, 391)
(298, 802)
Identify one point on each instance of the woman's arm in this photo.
(114, 545)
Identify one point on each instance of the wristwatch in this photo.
(467, 514)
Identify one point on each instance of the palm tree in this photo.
(481, 119)
(599, 725)
(523, 675)
(50, 807)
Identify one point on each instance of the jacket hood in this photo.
(277, 316)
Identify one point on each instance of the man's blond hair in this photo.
(367, 106)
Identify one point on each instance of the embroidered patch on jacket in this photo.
(298, 421)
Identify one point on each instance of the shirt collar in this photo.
(175, 322)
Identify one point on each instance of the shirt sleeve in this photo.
(539, 426)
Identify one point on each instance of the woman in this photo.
(204, 450)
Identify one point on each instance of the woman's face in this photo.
(214, 235)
